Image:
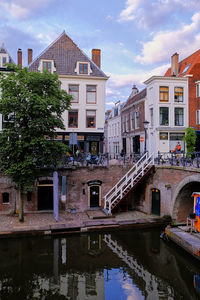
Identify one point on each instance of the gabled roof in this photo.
(3, 50)
(65, 53)
(135, 98)
(186, 65)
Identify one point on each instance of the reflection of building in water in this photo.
(153, 285)
(74, 286)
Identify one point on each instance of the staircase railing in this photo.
(117, 192)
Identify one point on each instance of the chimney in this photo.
(175, 64)
(96, 57)
(30, 56)
(19, 58)
(134, 90)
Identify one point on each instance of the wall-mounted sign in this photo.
(94, 182)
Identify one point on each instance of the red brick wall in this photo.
(194, 102)
(77, 181)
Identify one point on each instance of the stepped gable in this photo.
(136, 97)
(186, 65)
(65, 54)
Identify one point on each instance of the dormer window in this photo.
(4, 60)
(47, 65)
(83, 68)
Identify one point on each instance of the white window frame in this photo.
(198, 89)
(40, 68)
(198, 117)
(137, 119)
(77, 69)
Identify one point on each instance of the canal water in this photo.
(124, 265)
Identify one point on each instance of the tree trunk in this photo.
(21, 204)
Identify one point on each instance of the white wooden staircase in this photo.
(128, 182)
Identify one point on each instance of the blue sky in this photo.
(137, 37)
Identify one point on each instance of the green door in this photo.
(155, 207)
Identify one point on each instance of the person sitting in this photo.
(177, 151)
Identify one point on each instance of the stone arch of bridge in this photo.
(182, 201)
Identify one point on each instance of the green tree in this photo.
(32, 103)
(190, 139)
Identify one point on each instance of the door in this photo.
(45, 197)
(136, 144)
(94, 196)
(155, 208)
(124, 144)
(94, 148)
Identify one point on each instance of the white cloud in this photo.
(119, 85)
(132, 292)
(128, 13)
(151, 14)
(118, 81)
(185, 40)
(22, 9)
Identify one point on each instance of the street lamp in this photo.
(146, 123)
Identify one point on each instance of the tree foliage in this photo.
(190, 139)
(32, 103)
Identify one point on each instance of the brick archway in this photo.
(182, 202)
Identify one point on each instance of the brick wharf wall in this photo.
(76, 183)
(176, 186)
(7, 187)
(77, 188)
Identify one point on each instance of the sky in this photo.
(136, 37)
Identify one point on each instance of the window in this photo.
(178, 94)
(115, 111)
(151, 117)
(91, 94)
(132, 121)
(176, 136)
(164, 93)
(46, 66)
(7, 119)
(5, 198)
(90, 118)
(198, 117)
(186, 68)
(164, 116)
(163, 136)
(83, 68)
(29, 196)
(179, 116)
(137, 124)
(73, 119)
(4, 60)
(124, 124)
(74, 92)
(127, 123)
(198, 89)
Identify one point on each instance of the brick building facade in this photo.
(190, 68)
(132, 118)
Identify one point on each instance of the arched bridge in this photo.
(172, 188)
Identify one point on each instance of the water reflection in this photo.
(127, 265)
